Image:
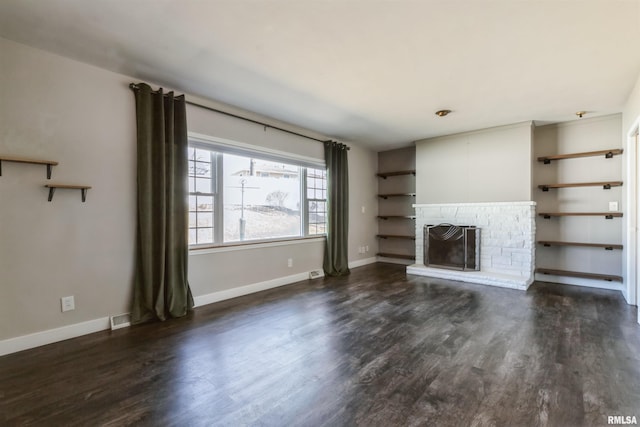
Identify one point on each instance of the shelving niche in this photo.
(561, 245)
(396, 196)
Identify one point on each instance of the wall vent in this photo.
(314, 274)
(120, 321)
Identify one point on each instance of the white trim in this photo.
(258, 245)
(25, 342)
(250, 289)
(208, 139)
(399, 261)
(576, 281)
(361, 262)
(630, 250)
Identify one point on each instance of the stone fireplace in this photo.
(507, 248)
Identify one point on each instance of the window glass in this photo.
(257, 200)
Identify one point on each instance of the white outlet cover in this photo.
(68, 303)
(613, 206)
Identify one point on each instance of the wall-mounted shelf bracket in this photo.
(83, 190)
(48, 163)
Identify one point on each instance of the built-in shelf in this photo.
(607, 215)
(385, 196)
(607, 277)
(384, 175)
(606, 153)
(48, 163)
(53, 187)
(399, 256)
(606, 246)
(396, 216)
(395, 236)
(605, 185)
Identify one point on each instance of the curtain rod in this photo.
(134, 86)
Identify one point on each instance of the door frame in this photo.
(632, 151)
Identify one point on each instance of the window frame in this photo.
(223, 146)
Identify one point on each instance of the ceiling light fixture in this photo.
(580, 113)
(442, 113)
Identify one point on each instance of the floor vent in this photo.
(314, 274)
(120, 321)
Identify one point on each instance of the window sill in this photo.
(256, 244)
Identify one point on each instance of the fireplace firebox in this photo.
(455, 247)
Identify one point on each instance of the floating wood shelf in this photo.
(49, 163)
(606, 246)
(606, 153)
(399, 256)
(607, 215)
(607, 277)
(396, 217)
(83, 189)
(395, 236)
(384, 175)
(605, 185)
(385, 196)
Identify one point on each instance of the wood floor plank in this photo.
(376, 348)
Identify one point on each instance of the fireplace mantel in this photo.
(507, 246)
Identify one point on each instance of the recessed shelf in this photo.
(605, 185)
(48, 163)
(53, 187)
(385, 196)
(606, 153)
(395, 236)
(607, 215)
(399, 256)
(606, 246)
(607, 277)
(384, 175)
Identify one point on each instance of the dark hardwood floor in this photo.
(377, 348)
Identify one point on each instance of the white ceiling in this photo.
(368, 71)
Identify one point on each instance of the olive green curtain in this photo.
(336, 261)
(161, 288)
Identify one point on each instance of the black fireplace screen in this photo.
(452, 246)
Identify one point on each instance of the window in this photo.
(244, 196)
(316, 201)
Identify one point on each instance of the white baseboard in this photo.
(25, 342)
(249, 289)
(396, 260)
(361, 262)
(577, 281)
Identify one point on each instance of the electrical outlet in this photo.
(613, 206)
(363, 209)
(366, 248)
(290, 262)
(68, 303)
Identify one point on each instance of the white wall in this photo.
(490, 165)
(84, 117)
